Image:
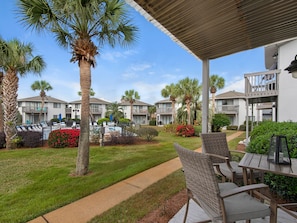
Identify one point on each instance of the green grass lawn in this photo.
(36, 181)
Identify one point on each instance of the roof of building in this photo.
(92, 101)
(38, 99)
(230, 95)
(164, 101)
(211, 29)
(137, 102)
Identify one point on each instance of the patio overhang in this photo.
(210, 29)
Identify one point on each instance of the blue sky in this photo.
(147, 66)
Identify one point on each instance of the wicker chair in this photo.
(226, 201)
(215, 144)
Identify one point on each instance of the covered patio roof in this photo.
(211, 28)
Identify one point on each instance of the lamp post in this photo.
(292, 68)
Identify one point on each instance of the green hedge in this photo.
(284, 186)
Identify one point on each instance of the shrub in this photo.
(185, 130)
(2, 140)
(101, 120)
(153, 122)
(147, 133)
(124, 122)
(232, 127)
(219, 121)
(122, 140)
(260, 143)
(197, 129)
(30, 139)
(63, 138)
(171, 128)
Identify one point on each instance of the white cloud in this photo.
(149, 93)
(129, 75)
(140, 67)
(234, 85)
(114, 55)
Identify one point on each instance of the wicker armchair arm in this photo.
(226, 159)
(242, 189)
(218, 169)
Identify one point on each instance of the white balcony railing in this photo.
(262, 84)
(227, 109)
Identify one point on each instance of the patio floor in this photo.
(196, 214)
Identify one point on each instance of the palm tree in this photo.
(188, 89)
(78, 25)
(41, 86)
(215, 82)
(1, 105)
(18, 61)
(92, 93)
(171, 92)
(115, 110)
(130, 96)
(152, 110)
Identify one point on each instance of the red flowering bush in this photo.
(185, 130)
(63, 138)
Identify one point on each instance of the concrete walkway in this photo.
(83, 210)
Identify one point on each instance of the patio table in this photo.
(259, 162)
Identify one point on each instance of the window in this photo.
(57, 105)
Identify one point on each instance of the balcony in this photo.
(262, 87)
(140, 111)
(164, 111)
(34, 109)
(227, 109)
(96, 111)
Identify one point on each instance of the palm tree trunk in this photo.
(1, 104)
(82, 163)
(1, 117)
(41, 109)
(131, 112)
(173, 112)
(10, 87)
(189, 112)
(213, 103)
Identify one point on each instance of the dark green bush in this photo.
(127, 139)
(260, 143)
(232, 127)
(147, 133)
(30, 139)
(219, 121)
(153, 122)
(197, 129)
(2, 140)
(100, 121)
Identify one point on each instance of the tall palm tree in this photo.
(215, 82)
(78, 25)
(41, 86)
(92, 93)
(152, 110)
(19, 60)
(115, 110)
(171, 92)
(188, 89)
(130, 96)
(1, 105)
